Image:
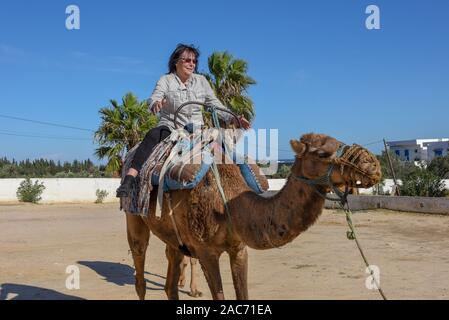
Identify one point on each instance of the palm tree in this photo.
(122, 127)
(230, 82)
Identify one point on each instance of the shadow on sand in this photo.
(122, 274)
(13, 291)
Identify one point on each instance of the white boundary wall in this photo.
(83, 189)
(63, 189)
(59, 190)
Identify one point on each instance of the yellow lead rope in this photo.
(352, 236)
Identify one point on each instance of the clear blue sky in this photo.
(317, 67)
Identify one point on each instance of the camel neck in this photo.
(277, 220)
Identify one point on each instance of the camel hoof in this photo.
(196, 294)
(140, 289)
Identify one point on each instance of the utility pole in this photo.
(396, 187)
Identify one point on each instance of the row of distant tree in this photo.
(44, 168)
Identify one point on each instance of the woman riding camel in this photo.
(182, 83)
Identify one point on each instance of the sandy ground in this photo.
(38, 242)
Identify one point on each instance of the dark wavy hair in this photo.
(180, 48)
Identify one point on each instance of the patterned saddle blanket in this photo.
(180, 162)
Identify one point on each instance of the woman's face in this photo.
(186, 64)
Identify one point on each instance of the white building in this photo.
(420, 149)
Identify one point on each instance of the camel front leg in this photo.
(239, 269)
(138, 236)
(174, 257)
(194, 292)
(211, 268)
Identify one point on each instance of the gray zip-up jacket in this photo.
(197, 88)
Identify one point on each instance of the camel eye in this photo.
(322, 154)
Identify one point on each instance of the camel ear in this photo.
(298, 147)
(330, 146)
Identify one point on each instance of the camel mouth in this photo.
(358, 167)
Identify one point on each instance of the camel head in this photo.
(318, 155)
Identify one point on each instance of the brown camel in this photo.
(255, 221)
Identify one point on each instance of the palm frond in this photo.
(229, 79)
(122, 127)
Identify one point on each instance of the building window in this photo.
(416, 150)
(406, 154)
(438, 152)
(398, 153)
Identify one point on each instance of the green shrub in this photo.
(423, 183)
(29, 192)
(101, 194)
(440, 167)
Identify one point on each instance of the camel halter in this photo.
(346, 156)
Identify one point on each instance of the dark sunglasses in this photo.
(188, 60)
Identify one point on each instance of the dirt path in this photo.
(38, 242)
